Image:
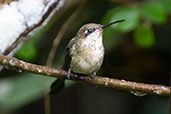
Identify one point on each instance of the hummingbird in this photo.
(85, 52)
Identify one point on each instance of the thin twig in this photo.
(98, 80)
(61, 33)
(47, 104)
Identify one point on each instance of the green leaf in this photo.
(28, 51)
(166, 4)
(155, 12)
(144, 37)
(130, 14)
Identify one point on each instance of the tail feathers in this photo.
(57, 86)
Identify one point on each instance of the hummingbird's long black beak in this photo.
(118, 21)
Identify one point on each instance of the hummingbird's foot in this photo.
(93, 75)
(68, 73)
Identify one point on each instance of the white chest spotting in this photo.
(88, 57)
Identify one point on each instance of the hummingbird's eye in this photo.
(89, 31)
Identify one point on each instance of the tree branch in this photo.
(98, 80)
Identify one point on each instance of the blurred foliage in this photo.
(144, 37)
(131, 16)
(135, 15)
(155, 12)
(129, 13)
(22, 88)
(135, 42)
(28, 51)
(166, 5)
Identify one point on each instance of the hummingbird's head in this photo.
(90, 29)
(93, 30)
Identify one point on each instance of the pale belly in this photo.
(87, 63)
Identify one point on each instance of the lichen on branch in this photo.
(143, 88)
